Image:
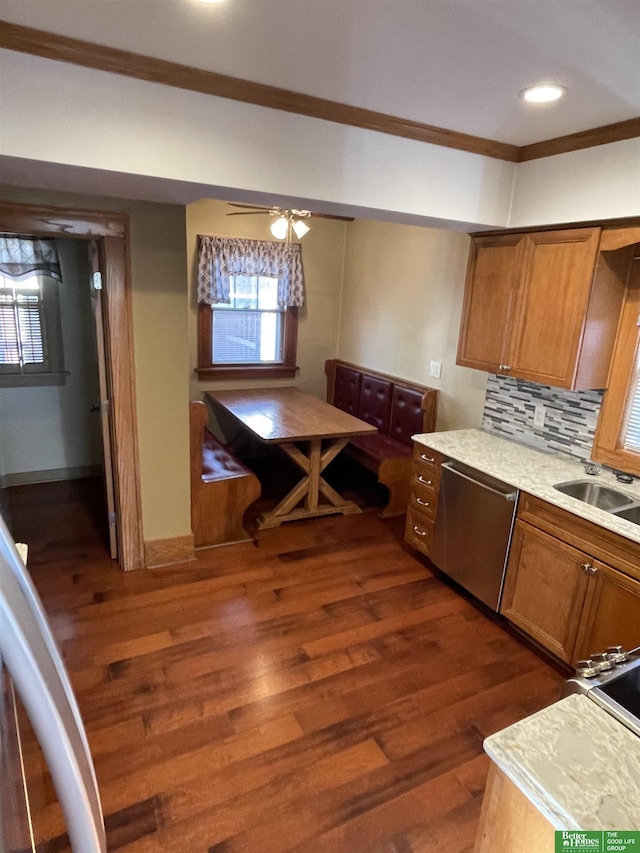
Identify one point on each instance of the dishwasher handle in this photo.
(508, 496)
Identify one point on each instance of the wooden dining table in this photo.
(311, 432)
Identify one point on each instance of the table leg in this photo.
(310, 487)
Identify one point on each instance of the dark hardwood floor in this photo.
(323, 690)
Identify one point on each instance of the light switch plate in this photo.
(435, 369)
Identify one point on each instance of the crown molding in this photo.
(115, 61)
(584, 139)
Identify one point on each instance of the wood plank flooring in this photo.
(323, 690)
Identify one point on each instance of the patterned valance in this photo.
(21, 256)
(221, 257)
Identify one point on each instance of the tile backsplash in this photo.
(570, 416)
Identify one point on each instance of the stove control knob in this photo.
(587, 668)
(616, 654)
(602, 662)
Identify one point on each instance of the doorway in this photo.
(109, 236)
(52, 426)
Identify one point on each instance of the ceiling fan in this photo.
(287, 219)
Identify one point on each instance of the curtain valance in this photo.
(21, 256)
(221, 257)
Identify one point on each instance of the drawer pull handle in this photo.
(421, 502)
(421, 479)
(418, 531)
(427, 458)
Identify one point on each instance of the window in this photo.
(617, 441)
(251, 328)
(248, 293)
(30, 331)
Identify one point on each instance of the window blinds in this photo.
(21, 338)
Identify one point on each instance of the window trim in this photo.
(207, 370)
(608, 445)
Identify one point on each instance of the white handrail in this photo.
(32, 658)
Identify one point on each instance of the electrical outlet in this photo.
(538, 416)
(435, 369)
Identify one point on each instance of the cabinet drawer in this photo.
(419, 531)
(427, 463)
(423, 498)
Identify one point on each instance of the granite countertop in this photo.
(575, 763)
(532, 471)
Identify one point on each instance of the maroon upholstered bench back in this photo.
(375, 402)
(347, 390)
(397, 409)
(406, 414)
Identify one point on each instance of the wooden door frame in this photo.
(111, 231)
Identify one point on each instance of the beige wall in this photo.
(322, 257)
(159, 296)
(401, 308)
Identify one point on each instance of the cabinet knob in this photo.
(588, 569)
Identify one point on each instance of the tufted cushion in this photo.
(217, 462)
(406, 414)
(346, 395)
(375, 402)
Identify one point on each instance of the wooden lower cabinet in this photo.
(509, 822)
(612, 613)
(424, 488)
(568, 599)
(545, 590)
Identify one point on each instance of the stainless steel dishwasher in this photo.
(473, 530)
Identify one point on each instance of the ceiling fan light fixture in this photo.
(300, 228)
(542, 94)
(280, 228)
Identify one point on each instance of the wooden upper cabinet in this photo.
(541, 306)
(489, 302)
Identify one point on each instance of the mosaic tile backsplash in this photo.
(570, 416)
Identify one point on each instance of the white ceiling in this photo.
(455, 64)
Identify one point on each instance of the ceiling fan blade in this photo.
(248, 212)
(333, 216)
(250, 206)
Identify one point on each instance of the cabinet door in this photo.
(489, 302)
(557, 275)
(545, 589)
(612, 613)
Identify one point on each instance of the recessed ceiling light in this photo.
(543, 94)
(211, 1)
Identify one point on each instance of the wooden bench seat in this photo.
(222, 488)
(397, 408)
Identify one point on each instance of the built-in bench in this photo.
(397, 408)
(222, 488)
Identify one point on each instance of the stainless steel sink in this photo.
(630, 514)
(595, 494)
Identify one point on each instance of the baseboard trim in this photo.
(49, 475)
(166, 552)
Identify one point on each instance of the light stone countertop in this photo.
(575, 763)
(532, 471)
